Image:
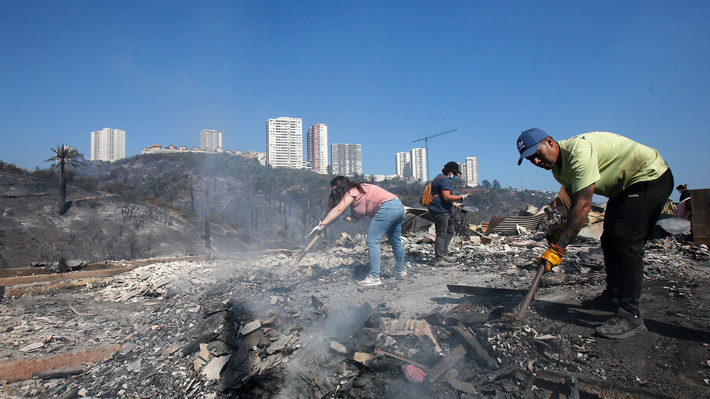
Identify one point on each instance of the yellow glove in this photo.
(552, 257)
(554, 233)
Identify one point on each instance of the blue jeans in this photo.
(387, 220)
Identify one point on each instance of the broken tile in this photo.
(212, 370)
(249, 327)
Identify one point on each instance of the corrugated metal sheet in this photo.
(670, 208)
(416, 220)
(419, 219)
(563, 200)
(508, 225)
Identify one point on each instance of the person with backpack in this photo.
(440, 211)
(386, 213)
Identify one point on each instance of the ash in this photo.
(260, 325)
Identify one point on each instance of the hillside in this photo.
(159, 205)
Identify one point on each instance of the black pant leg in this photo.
(628, 223)
(444, 227)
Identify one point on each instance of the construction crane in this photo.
(426, 146)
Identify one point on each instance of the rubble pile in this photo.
(262, 326)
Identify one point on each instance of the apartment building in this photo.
(346, 159)
(108, 145)
(471, 171)
(317, 148)
(462, 169)
(419, 169)
(404, 164)
(284, 142)
(210, 140)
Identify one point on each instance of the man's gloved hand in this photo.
(552, 257)
(318, 228)
(464, 196)
(554, 233)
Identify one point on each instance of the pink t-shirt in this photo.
(366, 204)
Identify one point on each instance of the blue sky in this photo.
(378, 73)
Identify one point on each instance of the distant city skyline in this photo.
(282, 135)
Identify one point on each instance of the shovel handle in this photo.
(531, 293)
(310, 244)
(303, 253)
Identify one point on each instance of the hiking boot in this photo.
(400, 275)
(369, 281)
(604, 301)
(447, 258)
(621, 327)
(442, 263)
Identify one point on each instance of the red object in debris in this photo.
(414, 373)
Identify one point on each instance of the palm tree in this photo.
(65, 157)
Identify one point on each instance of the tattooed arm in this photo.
(577, 217)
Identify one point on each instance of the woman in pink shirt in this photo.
(386, 212)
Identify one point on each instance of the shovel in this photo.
(531, 293)
(313, 241)
(303, 253)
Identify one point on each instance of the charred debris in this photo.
(263, 326)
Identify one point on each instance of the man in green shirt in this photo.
(638, 183)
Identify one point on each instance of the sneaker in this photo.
(604, 301)
(442, 263)
(401, 274)
(447, 258)
(620, 327)
(369, 281)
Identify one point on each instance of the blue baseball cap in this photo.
(528, 141)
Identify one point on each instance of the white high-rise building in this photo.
(284, 142)
(317, 148)
(346, 159)
(108, 145)
(419, 171)
(404, 164)
(471, 171)
(210, 140)
(462, 170)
